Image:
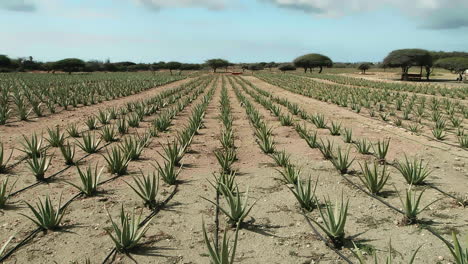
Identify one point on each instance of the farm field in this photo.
(286, 149)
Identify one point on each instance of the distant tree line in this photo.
(457, 62)
(70, 65)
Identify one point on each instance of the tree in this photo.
(4, 61)
(217, 63)
(363, 67)
(255, 67)
(69, 65)
(172, 65)
(287, 67)
(244, 67)
(406, 58)
(190, 67)
(457, 65)
(313, 60)
(271, 65)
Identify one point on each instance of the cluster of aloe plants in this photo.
(389, 104)
(335, 216)
(373, 178)
(26, 96)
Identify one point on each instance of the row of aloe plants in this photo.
(374, 179)
(22, 95)
(225, 185)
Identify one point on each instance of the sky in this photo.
(238, 30)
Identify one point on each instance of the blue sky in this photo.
(238, 30)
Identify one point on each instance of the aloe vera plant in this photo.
(460, 254)
(281, 158)
(56, 138)
(348, 135)
(286, 120)
(224, 254)
(46, 216)
(463, 141)
(225, 159)
(237, 209)
(68, 153)
(162, 123)
(411, 205)
(72, 130)
(335, 129)
(305, 194)
(133, 120)
(381, 149)
(39, 165)
(108, 133)
(224, 181)
(91, 123)
(311, 139)
(363, 146)
(122, 126)
(319, 121)
(4, 247)
(90, 143)
(128, 231)
(334, 221)
(265, 139)
(103, 117)
(3, 159)
(372, 178)
(414, 171)
(174, 152)
(89, 180)
(341, 161)
(290, 174)
(439, 133)
(117, 161)
(132, 147)
(168, 172)
(227, 139)
(5, 191)
(326, 149)
(147, 189)
(32, 147)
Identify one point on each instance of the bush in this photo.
(287, 67)
(69, 65)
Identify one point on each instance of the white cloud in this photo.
(18, 5)
(208, 4)
(437, 14)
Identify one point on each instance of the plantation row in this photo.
(373, 177)
(119, 157)
(440, 117)
(452, 92)
(24, 96)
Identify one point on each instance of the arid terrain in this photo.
(424, 124)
